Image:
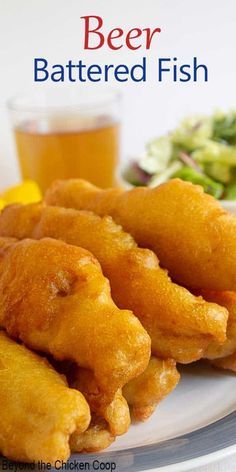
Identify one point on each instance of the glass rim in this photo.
(18, 103)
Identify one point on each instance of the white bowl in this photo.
(229, 205)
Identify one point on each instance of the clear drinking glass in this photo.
(61, 135)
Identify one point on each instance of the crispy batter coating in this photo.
(228, 300)
(116, 413)
(54, 297)
(142, 394)
(223, 355)
(96, 438)
(38, 412)
(145, 392)
(228, 362)
(193, 236)
(180, 325)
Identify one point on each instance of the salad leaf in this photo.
(219, 172)
(224, 127)
(209, 186)
(135, 175)
(166, 175)
(202, 149)
(230, 192)
(193, 132)
(216, 152)
(159, 152)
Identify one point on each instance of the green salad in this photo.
(201, 150)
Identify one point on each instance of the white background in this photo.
(53, 29)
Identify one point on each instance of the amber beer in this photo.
(91, 154)
(62, 137)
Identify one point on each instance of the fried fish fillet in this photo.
(54, 298)
(116, 413)
(193, 236)
(228, 300)
(38, 412)
(145, 392)
(181, 326)
(96, 438)
(223, 355)
(108, 420)
(227, 363)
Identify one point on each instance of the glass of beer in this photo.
(62, 135)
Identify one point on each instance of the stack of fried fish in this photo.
(102, 292)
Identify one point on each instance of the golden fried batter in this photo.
(193, 236)
(228, 300)
(96, 438)
(223, 355)
(54, 297)
(116, 413)
(150, 388)
(142, 394)
(181, 326)
(38, 412)
(228, 362)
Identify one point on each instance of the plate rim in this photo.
(199, 447)
(200, 461)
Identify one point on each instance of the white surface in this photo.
(203, 396)
(214, 462)
(227, 465)
(53, 29)
(229, 205)
(189, 407)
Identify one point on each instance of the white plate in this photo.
(229, 205)
(194, 425)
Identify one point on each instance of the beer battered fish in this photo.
(145, 392)
(54, 298)
(227, 363)
(193, 236)
(96, 438)
(38, 412)
(223, 355)
(142, 394)
(227, 300)
(180, 325)
(115, 413)
(108, 420)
